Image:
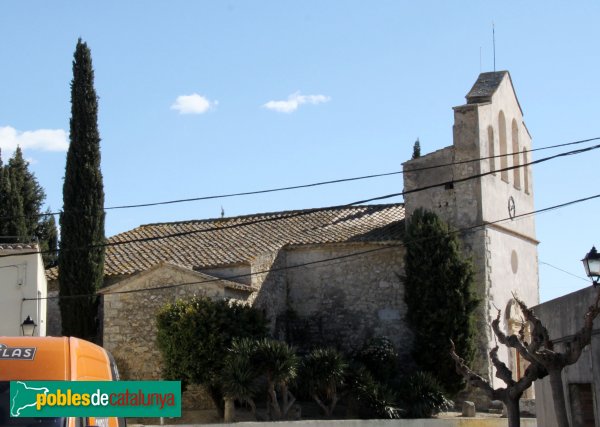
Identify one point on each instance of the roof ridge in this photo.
(272, 213)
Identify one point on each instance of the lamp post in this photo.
(28, 327)
(591, 263)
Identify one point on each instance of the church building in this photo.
(334, 274)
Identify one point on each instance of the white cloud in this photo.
(193, 104)
(41, 140)
(294, 101)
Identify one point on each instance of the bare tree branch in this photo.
(539, 335)
(471, 377)
(502, 371)
(513, 341)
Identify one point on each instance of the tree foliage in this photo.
(416, 149)
(324, 372)
(380, 357)
(194, 336)
(439, 297)
(81, 259)
(21, 200)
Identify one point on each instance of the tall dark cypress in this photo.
(81, 258)
(439, 296)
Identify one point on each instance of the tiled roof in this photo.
(226, 241)
(17, 246)
(485, 86)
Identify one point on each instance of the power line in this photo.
(327, 260)
(564, 271)
(314, 184)
(309, 211)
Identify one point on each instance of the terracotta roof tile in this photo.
(226, 241)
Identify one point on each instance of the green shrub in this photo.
(421, 396)
(195, 334)
(371, 398)
(381, 359)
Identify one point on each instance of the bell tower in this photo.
(485, 185)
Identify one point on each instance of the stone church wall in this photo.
(130, 323)
(346, 302)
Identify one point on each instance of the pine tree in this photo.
(47, 234)
(21, 199)
(14, 228)
(439, 297)
(32, 194)
(81, 258)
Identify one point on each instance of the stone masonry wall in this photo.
(271, 294)
(346, 302)
(130, 323)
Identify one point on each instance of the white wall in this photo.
(22, 276)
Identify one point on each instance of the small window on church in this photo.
(503, 146)
(491, 151)
(515, 156)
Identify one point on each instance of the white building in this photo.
(23, 294)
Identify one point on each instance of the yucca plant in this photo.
(324, 371)
(279, 363)
(372, 398)
(238, 378)
(422, 396)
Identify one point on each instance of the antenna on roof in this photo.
(222, 212)
(479, 59)
(494, 44)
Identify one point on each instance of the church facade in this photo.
(334, 274)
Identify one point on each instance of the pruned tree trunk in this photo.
(327, 409)
(274, 402)
(229, 415)
(512, 411)
(288, 399)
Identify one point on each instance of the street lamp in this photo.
(591, 263)
(28, 327)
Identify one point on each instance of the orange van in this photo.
(53, 359)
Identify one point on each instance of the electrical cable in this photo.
(564, 271)
(309, 211)
(315, 184)
(326, 260)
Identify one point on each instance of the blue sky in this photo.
(279, 93)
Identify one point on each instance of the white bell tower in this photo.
(490, 137)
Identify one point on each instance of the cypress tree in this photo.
(81, 258)
(416, 149)
(439, 297)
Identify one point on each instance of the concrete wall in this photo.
(563, 317)
(22, 276)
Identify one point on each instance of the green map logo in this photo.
(95, 398)
(24, 397)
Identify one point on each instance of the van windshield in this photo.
(7, 420)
